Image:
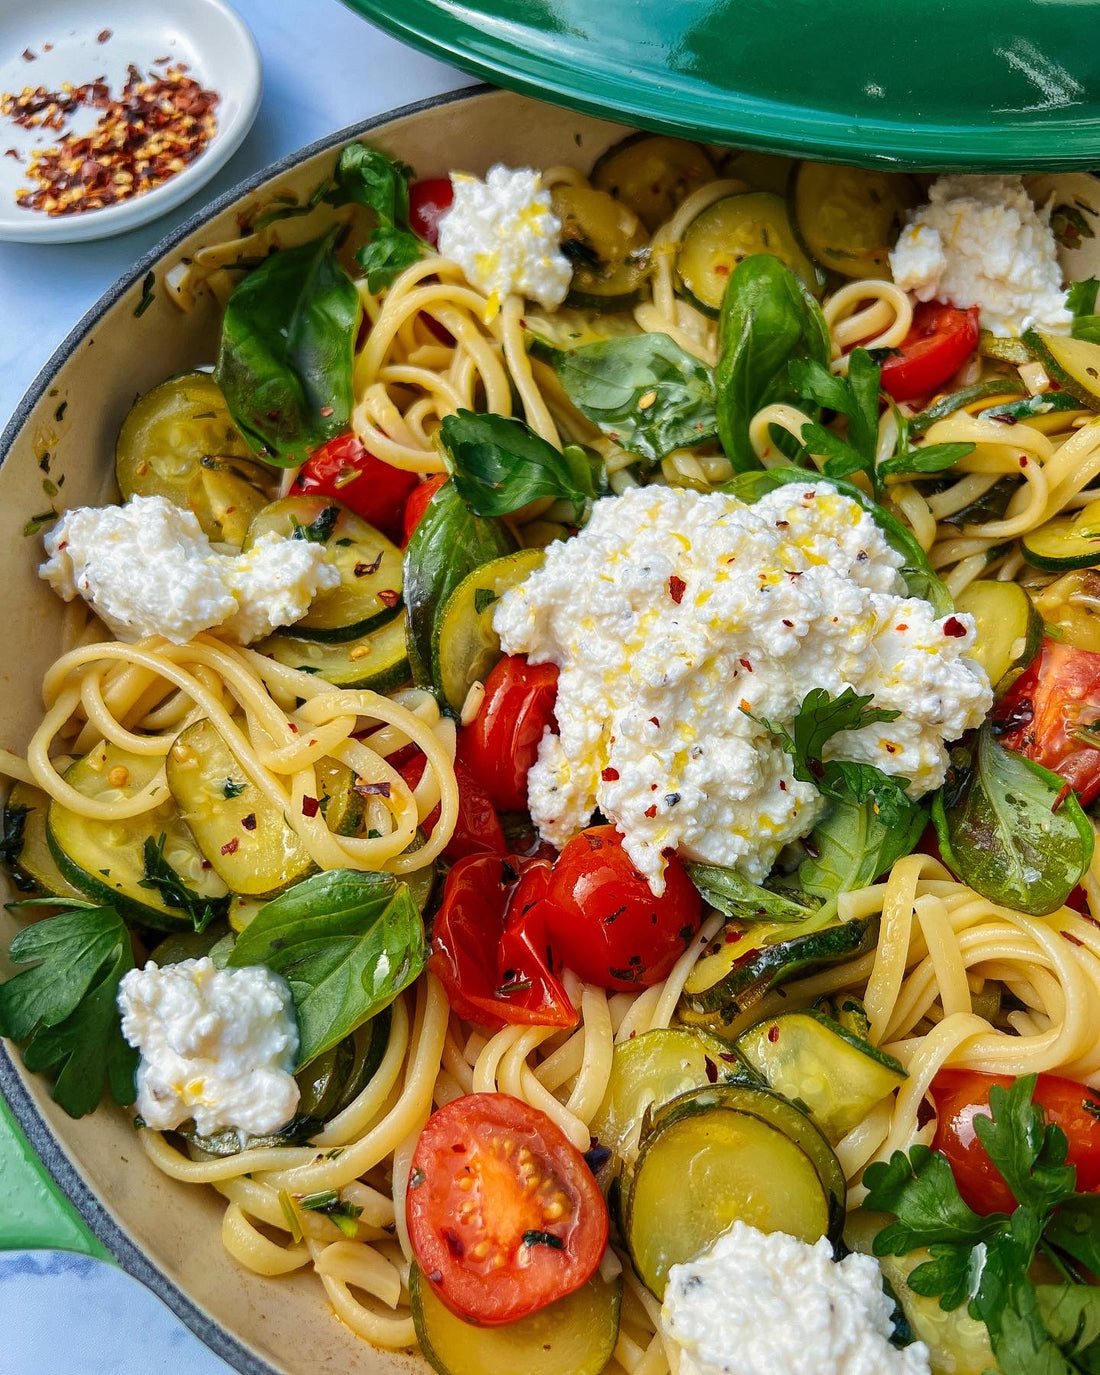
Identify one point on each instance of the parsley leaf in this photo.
(854, 396)
(369, 177)
(65, 1007)
(1029, 1153)
(163, 879)
(929, 458)
(345, 1215)
(1081, 299)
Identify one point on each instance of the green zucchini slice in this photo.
(733, 228)
(1009, 628)
(652, 174)
(369, 592)
(849, 217)
(714, 1156)
(179, 442)
(762, 171)
(1030, 407)
(607, 244)
(1066, 541)
(466, 645)
(28, 856)
(1073, 363)
(576, 1334)
(947, 405)
(1003, 349)
(106, 859)
(378, 660)
(809, 1057)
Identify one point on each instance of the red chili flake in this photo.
(651, 812)
(793, 573)
(12, 153)
(362, 570)
(732, 937)
(782, 786)
(653, 721)
(773, 1033)
(293, 727)
(28, 56)
(925, 1113)
(230, 846)
(889, 747)
(782, 524)
(372, 789)
(676, 589)
(1063, 793)
(249, 821)
(954, 627)
(388, 597)
(745, 665)
(902, 628)
(103, 35)
(310, 806)
(610, 775)
(1073, 940)
(1023, 460)
(712, 1070)
(787, 623)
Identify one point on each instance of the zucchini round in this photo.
(466, 645)
(762, 171)
(1073, 363)
(1072, 604)
(607, 244)
(369, 591)
(1033, 407)
(850, 217)
(1066, 541)
(1009, 629)
(1003, 349)
(577, 1334)
(652, 174)
(27, 850)
(733, 228)
(378, 660)
(959, 400)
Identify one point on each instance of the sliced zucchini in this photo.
(733, 228)
(466, 645)
(576, 1334)
(652, 174)
(338, 1075)
(571, 327)
(607, 245)
(369, 592)
(714, 1156)
(849, 217)
(809, 1057)
(1004, 350)
(947, 405)
(106, 859)
(1030, 407)
(849, 1012)
(1073, 363)
(650, 1070)
(1009, 629)
(1072, 604)
(378, 660)
(187, 945)
(179, 442)
(26, 849)
(247, 840)
(762, 171)
(734, 974)
(1066, 541)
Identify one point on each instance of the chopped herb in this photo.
(38, 523)
(484, 597)
(345, 1215)
(294, 1227)
(162, 878)
(319, 530)
(147, 295)
(231, 788)
(543, 1239)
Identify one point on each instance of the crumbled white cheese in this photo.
(759, 1304)
(980, 241)
(217, 1045)
(147, 568)
(505, 237)
(673, 614)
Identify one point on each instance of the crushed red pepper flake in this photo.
(388, 597)
(150, 132)
(610, 775)
(230, 846)
(310, 806)
(954, 627)
(676, 589)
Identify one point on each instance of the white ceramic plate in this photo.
(64, 38)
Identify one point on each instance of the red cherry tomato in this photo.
(429, 201)
(605, 923)
(939, 342)
(961, 1095)
(1057, 694)
(477, 830)
(488, 979)
(502, 742)
(417, 504)
(342, 469)
(504, 1215)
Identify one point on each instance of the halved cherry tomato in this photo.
(502, 742)
(504, 1215)
(1057, 694)
(418, 501)
(489, 979)
(939, 342)
(961, 1095)
(344, 470)
(477, 830)
(429, 201)
(605, 923)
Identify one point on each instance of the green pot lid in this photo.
(989, 85)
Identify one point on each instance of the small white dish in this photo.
(75, 43)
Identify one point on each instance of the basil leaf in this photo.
(1081, 300)
(449, 542)
(853, 844)
(736, 896)
(287, 347)
(643, 391)
(500, 465)
(768, 318)
(388, 252)
(346, 942)
(1007, 830)
(369, 177)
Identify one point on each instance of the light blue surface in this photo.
(323, 69)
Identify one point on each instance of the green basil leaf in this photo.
(1006, 829)
(643, 391)
(853, 844)
(500, 465)
(449, 542)
(768, 319)
(388, 252)
(736, 896)
(287, 348)
(369, 177)
(346, 942)
(1081, 296)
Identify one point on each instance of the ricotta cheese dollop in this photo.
(674, 614)
(980, 241)
(218, 1045)
(147, 568)
(505, 237)
(758, 1304)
